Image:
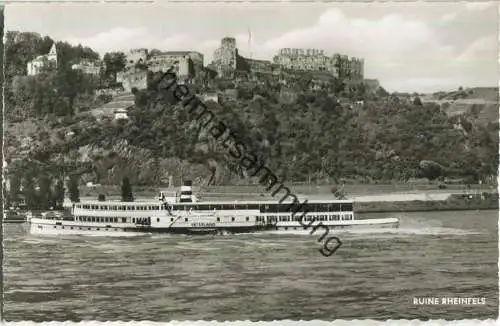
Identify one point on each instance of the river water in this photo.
(375, 274)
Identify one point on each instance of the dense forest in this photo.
(317, 139)
(320, 135)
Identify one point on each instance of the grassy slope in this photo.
(484, 98)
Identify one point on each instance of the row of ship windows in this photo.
(80, 228)
(112, 219)
(264, 208)
(100, 219)
(288, 218)
(218, 219)
(121, 208)
(284, 218)
(134, 220)
(335, 217)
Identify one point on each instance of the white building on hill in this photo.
(35, 66)
(88, 67)
(117, 108)
(121, 114)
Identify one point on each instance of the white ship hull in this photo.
(39, 226)
(336, 226)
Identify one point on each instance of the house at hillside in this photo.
(113, 91)
(35, 66)
(189, 63)
(117, 109)
(88, 67)
(121, 114)
(136, 56)
(133, 78)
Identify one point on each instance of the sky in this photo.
(408, 47)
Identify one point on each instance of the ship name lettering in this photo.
(203, 225)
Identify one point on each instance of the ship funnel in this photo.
(186, 192)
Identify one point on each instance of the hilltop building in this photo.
(372, 85)
(112, 91)
(41, 62)
(121, 114)
(261, 66)
(133, 77)
(227, 61)
(341, 66)
(189, 62)
(136, 56)
(88, 67)
(225, 57)
(117, 109)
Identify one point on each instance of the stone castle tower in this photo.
(229, 51)
(225, 56)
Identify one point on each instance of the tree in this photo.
(45, 192)
(15, 188)
(417, 101)
(431, 170)
(101, 197)
(381, 92)
(29, 192)
(59, 194)
(127, 190)
(74, 192)
(153, 53)
(114, 62)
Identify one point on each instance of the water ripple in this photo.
(375, 274)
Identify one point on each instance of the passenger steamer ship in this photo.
(186, 215)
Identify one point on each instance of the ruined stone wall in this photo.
(340, 66)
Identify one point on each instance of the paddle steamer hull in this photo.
(58, 227)
(336, 226)
(40, 226)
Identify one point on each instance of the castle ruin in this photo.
(135, 75)
(227, 60)
(225, 57)
(341, 66)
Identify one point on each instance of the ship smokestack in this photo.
(187, 192)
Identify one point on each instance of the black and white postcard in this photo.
(250, 162)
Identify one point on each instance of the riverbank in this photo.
(454, 202)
